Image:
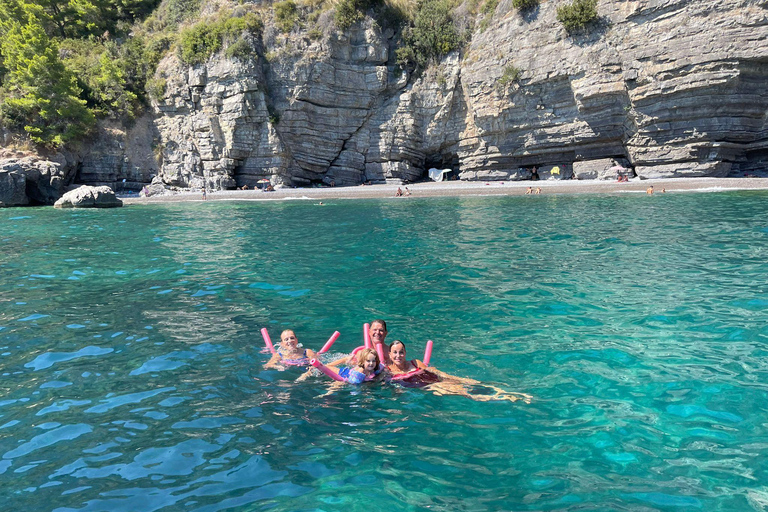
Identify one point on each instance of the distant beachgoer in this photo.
(320, 203)
(441, 383)
(534, 174)
(205, 193)
(663, 190)
(649, 191)
(538, 190)
(270, 188)
(528, 191)
(407, 192)
(399, 192)
(288, 352)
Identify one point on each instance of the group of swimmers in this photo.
(378, 362)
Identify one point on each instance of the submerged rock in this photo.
(89, 197)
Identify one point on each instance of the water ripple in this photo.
(639, 327)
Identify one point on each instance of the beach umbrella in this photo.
(262, 181)
(617, 168)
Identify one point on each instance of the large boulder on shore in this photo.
(89, 197)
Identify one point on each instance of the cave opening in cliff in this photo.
(443, 161)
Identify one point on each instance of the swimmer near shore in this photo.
(375, 362)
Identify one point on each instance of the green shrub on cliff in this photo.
(489, 7)
(511, 74)
(286, 15)
(578, 15)
(349, 12)
(432, 35)
(39, 94)
(387, 14)
(201, 41)
(171, 13)
(523, 5)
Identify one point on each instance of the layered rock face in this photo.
(307, 114)
(32, 180)
(122, 158)
(670, 85)
(667, 87)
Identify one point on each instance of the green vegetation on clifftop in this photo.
(432, 35)
(204, 39)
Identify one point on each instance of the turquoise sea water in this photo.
(132, 374)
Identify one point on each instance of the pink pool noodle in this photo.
(267, 341)
(329, 343)
(428, 353)
(380, 351)
(332, 374)
(367, 335)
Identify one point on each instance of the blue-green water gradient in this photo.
(132, 364)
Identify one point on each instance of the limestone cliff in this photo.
(668, 87)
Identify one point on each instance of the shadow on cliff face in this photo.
(530, 14)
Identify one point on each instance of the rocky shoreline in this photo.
(461, 188)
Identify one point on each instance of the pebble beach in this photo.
(475, 188)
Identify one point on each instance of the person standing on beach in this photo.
(535, 174)
(205, 192)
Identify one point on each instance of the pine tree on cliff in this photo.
(40, 96)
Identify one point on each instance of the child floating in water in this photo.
(367, 368)
(289, 353)
(441, 383)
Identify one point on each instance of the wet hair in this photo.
(380, 321)
(395, 343)
(363, 355)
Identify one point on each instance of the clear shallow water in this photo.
(132, 366)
